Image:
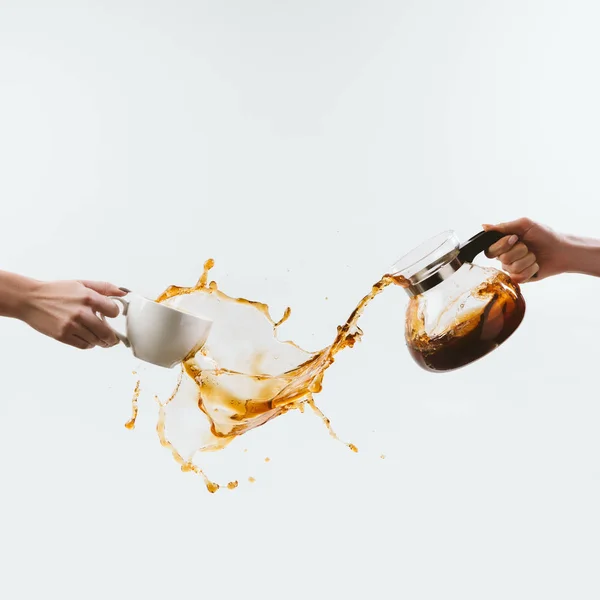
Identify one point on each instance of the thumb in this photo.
(104, 288)
(519, 227)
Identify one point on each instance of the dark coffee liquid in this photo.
(475, 334)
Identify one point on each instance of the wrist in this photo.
(16, 294)
(580, 255)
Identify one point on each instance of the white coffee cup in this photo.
(159, 334)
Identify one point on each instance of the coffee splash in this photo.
(244, 376)
(134, 405)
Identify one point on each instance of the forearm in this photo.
(15, 291)
(581, 255)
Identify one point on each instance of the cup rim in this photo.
(173, 308)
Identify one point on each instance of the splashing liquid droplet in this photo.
(134, 405)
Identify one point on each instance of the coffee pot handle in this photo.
(480, 243)
(125, 304)
(477, 244)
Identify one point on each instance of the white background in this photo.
(304, 145)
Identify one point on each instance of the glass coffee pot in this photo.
(458, 311)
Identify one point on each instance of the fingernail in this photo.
(513, 239)
(126, 290)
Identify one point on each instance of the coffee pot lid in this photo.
(439, 258)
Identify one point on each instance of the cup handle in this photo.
(125, 304)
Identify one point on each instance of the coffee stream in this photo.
(244, 376)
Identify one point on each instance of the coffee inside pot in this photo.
(458, 311)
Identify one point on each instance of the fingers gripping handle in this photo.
(125, 304)
(480, 243)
